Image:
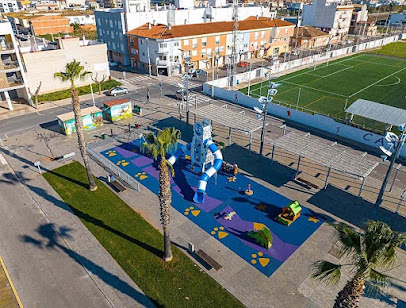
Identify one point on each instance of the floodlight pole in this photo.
(261, 148)
(394, 156)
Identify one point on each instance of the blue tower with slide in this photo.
(204, 155)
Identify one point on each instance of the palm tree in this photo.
(373, 250)
(74, 72)
(158, 146)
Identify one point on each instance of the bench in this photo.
(117, 186)
(209, 260)
(308, 183)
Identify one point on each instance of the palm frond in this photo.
(326, 271)
(377, 281)
(73, 72)
(348, 238)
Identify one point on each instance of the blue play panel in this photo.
(251, 212)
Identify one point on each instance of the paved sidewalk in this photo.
(52, 257)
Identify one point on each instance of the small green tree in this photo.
(74, 72)
(374, 250)
(158, 146)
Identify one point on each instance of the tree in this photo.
(99, 83)
(373, 250)
(35, 95)
(74, 72)
(158, 146)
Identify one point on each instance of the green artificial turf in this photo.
(58, 95)
(328, 89)
(397, 49)
(136, 245)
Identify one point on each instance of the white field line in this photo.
(328, 75)
(391, 84)
(335, 63)
(319, 90)
(374, 62)
(372, 84)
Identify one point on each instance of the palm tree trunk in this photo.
(81, 137)
(165, 197)
(350, 295)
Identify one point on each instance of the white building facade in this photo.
(9, 6)
(332, 18)
(138, 12)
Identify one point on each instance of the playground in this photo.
(238, 212)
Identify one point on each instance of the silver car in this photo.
(118, 90)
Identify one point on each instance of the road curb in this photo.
(11, 283)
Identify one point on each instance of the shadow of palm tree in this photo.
(50, 236)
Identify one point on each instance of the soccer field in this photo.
(327, 89)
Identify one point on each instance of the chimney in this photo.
(169, 26)
(149, 26)
(257, 17)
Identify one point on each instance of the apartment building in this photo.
(12, 76)
(332, 18)
(163, 49)
(136, 13)
(9, 6)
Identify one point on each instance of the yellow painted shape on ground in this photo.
(195, 212)
(254, 261)
(222, 234)
(125, 163)
(187, 157)
(231, 179)
(141, 176)
(258, 226)
(313, 219)
(264, 261)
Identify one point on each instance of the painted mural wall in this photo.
(119, 112)
(90, 121)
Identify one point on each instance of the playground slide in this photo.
(218, 161)
(182, 149)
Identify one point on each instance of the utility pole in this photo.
(234, 51)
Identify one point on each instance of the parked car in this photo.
(117, 90)
(243, 64)
(200, 72)
(113, 63)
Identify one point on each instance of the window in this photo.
(185, 42)
(286, 31)
(208, 51)
(163, 58)
(262, 44)
(122, 47)
(10, 5)
(204, 42)
(194, 43)
(119, 24)
(142, 42)
(246, 45)
(203, 53)
(221, 48)
(143, 53)
(262, 34)
(112, 34)
(176, 44)
(285, 39)
(277, 32)
(131, 40)
(98, 21)
(176, 58)
(111, 23)
(194, 52)
(217, 39)
(114, 45)
(190, 52)
(256, 35)
(162, 45)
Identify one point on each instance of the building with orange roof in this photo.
(309, 37)
(42, 24)
(162, 49)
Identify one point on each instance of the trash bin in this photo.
(138, 109)
(104, 136)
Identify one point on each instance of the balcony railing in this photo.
(162, 62)
(6, 47)
(11, 83)
(9, 66)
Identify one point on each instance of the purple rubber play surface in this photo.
(209, 204)
(152, 171)
(142, 161)
(124, 152)
(237, 226)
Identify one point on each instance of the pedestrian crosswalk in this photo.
(141, 79)
(174, 81)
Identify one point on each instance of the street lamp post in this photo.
(91, 88)
(185, 78)
(400, 142)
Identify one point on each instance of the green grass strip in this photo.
(58, 95)
(136, 245)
